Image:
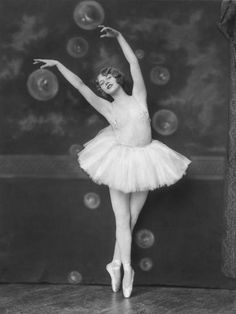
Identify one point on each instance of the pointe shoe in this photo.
(128, 290)
(112, 268)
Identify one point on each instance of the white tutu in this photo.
(131, 168)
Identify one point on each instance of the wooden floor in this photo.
(74, 299)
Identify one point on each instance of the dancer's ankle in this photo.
(127, 265)
(116, 262)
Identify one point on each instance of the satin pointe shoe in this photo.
(113, 269)
(127, 290)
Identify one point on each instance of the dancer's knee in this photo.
(123, 222)
(133, 221)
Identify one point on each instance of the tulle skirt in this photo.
(131, 168)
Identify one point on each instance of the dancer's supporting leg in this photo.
(120, 204)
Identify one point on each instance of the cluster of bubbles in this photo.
(145, 239)
(165, 122)
(42, 84)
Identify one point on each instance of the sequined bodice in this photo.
(131, 124)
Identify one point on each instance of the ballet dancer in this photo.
(123, 155)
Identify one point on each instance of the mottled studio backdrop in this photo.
(56, 226)
(183, 58)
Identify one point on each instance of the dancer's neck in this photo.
(120, 96)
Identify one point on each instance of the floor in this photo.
(78, 299)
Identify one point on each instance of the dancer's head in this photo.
(109, 80)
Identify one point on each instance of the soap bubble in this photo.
(77, 47)
(159, 75)
(75, 149)
(42, 84)
(146, 264)
(144, 238)
(139, 53)
(165, 122)
(74, 277)
(92, 200)
(89, 14)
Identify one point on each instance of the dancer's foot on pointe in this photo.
(128, 279)
(114, 269)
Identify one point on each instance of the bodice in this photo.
(131, 124)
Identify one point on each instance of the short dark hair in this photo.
(117, 74)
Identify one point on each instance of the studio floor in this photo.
(74, 299)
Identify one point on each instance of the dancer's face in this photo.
(108, 83)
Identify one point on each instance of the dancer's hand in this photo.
(109, 32)
(47, 62)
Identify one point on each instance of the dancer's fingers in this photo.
(106, 28)
(103, 29)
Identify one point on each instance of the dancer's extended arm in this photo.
(139, 89)
(101, 105)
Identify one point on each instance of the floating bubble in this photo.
(75, 149)
(92, 200)
(156, 58)
(146, 264)
(140, 53)
(74, 277)
(144, 238)
(165, 122)
(93, 119)
(77, 47)
(42, 84)
(159, 75)
(89, 14)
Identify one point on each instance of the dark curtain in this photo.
(227, 25)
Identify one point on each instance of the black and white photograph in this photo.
(118, 156)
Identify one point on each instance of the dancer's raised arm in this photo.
(139, 89)
(101, 105)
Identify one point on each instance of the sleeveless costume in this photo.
(124, 156)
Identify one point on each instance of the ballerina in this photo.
(123, 155)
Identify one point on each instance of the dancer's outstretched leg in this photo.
(137, 201)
